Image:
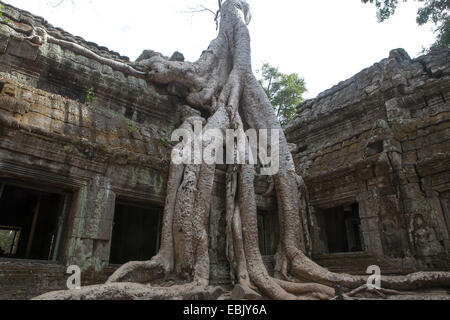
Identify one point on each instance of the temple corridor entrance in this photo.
(136, 232)
(31, 221)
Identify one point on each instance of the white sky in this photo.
(324, 41)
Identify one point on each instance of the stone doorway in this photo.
(136, 232)
(31, 221)
(268, 232)
(341, 228)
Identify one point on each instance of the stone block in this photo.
(4, 40)
(22, 49)
(101, 250)
(79, 250)
(97, 229)
(372, 242)
(411, 190)
(371, 224)
(409, 157)
(416, 206)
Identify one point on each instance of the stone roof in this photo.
(396, 75)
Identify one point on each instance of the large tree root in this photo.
(139, 272)
(309, 290)
(128, 291)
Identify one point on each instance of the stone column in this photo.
(93, 212)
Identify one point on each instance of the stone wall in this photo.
(382, 139)
(112, 145)
(82, 122)
(60, 67)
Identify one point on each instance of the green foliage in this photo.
(285, 91)
(170, 130)
(385, 8)
(2, 9)
(6, 238)
(164, 142)
(132, 127)
(91, 99)
(2, 17)
(443, 38)
(434, 11)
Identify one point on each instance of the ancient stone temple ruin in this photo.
(85, 151)
(374, 152)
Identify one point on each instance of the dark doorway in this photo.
(343, 229)
(136, 232)
(268, 232)
(31, 222)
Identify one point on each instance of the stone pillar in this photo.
(369, 214)
(93, 212)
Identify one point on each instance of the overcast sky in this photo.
(324, 41)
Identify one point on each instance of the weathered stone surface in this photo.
(177, 56)
(376, 139)
(59, 70)
(22, 49)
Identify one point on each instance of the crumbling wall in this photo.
(381, 139)
(74, 115)
(68, 121)
(62, 68)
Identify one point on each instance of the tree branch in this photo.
(58, 4)
(201, 8)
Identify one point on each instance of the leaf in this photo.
(285, 91)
